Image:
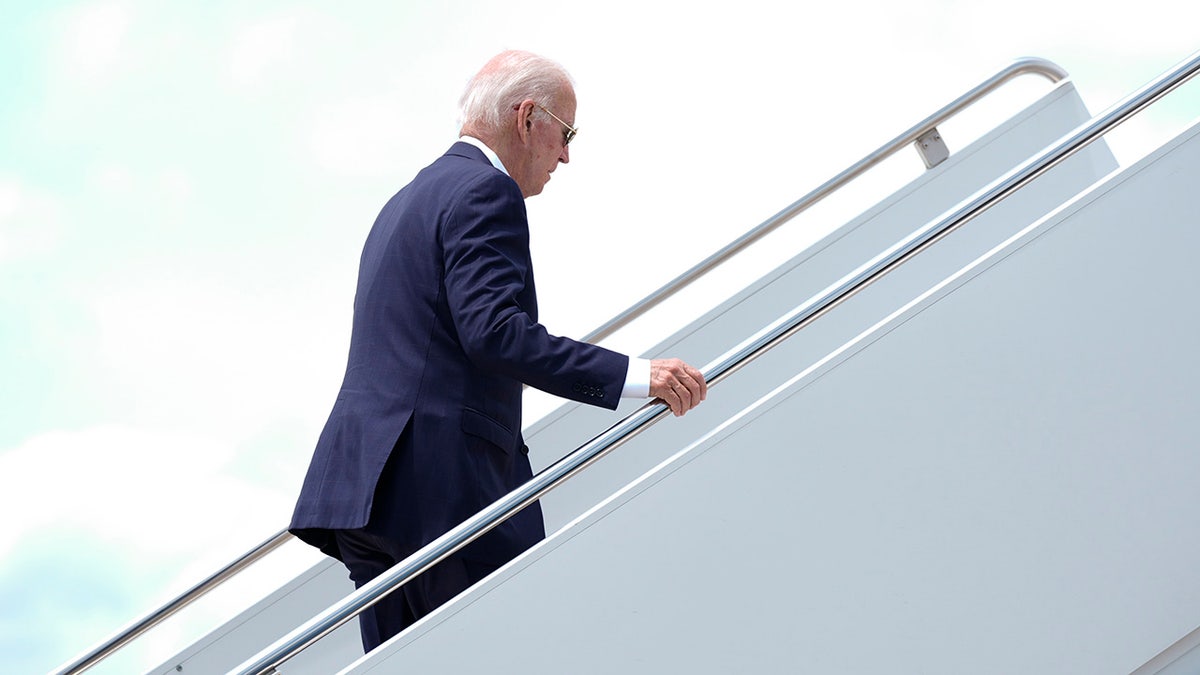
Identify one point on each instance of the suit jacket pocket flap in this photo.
(478, 424)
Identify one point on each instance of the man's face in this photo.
(545, 147)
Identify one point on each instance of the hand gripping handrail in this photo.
(1033, 65)
(1028, 65)
(731, 361)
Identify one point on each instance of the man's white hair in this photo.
(505, 81)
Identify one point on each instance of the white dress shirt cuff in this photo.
(637, 379)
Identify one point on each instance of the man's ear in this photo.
(525, 119)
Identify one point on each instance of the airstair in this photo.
(959, 433)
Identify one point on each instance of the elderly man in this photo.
(426, 429)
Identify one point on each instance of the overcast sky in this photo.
(185, 188)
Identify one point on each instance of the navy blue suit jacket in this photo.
(445, 332)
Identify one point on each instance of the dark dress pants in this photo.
(368, 555)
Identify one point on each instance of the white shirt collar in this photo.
(492, 156)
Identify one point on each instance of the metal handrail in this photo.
(1029, 65)
(730, 362)
(140, 626)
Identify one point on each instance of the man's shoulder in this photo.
(464, 168)
(460, 160)
(467, 151)
(463, 158)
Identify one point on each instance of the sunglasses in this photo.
(568, 130)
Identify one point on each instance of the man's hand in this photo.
(677, 384)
